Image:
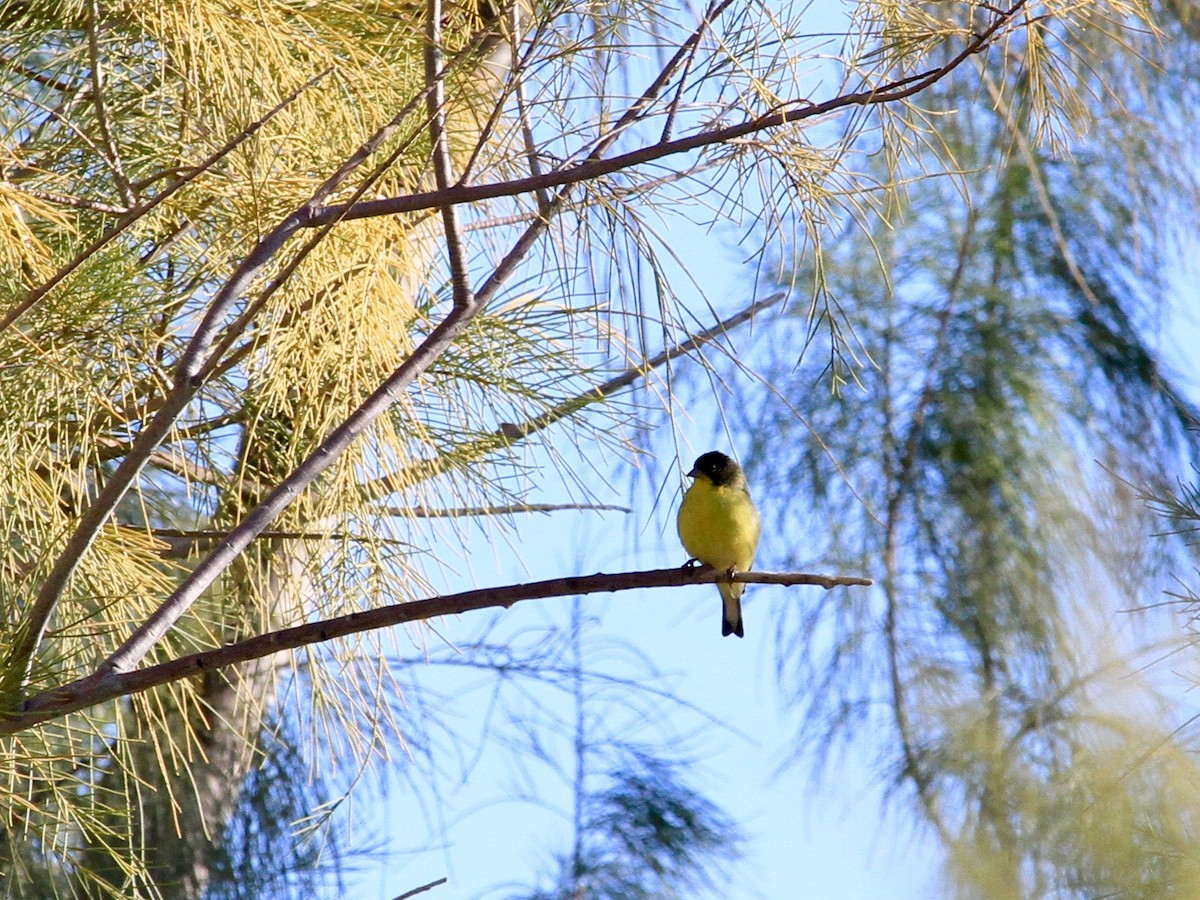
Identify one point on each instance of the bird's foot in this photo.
(692, 563)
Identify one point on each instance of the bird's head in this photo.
(717, 468)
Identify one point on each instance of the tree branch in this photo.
(31, 629)
(186, 541)
(422, 889)
(508, 509)
(111, 155)
(596, 166)
(189, 372)
(189, 375)
(152, 630)
(108, 683)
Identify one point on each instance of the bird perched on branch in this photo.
(719, 526)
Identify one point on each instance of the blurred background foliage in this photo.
(1000, 409)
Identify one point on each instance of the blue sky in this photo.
(830, 839)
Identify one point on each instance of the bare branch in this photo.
(531, 154)
(74, 202)
(462, 512)
(190, 540)
(63, 87)
(713, 10)
(109, 683)
(186, 541)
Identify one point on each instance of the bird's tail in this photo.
(731, 613)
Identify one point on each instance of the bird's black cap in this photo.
(717, 467)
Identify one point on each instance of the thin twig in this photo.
(111, 155)
(518, 64)
(1037, 176)
(635, 373)
(435, 103)
(186, 541)
(109, 448)
(32, 74)
(900, 484)
(531, 154)
(109, 683)
(509, 509)
(713, 10)
(74, 202)
(422, 889)
(201, 537)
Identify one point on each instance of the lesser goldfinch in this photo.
(719, 525)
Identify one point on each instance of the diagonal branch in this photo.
(189, 376)
(673, 108)
(112, 155)
(422, 889)
(30, 631)
(109, 684)
(149, 633)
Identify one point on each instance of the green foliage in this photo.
(142, 165)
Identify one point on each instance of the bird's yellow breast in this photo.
(719, 525)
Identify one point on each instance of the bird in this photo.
(719, 526)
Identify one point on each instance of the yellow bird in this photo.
(719, 525)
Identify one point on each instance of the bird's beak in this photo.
(692, 474)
